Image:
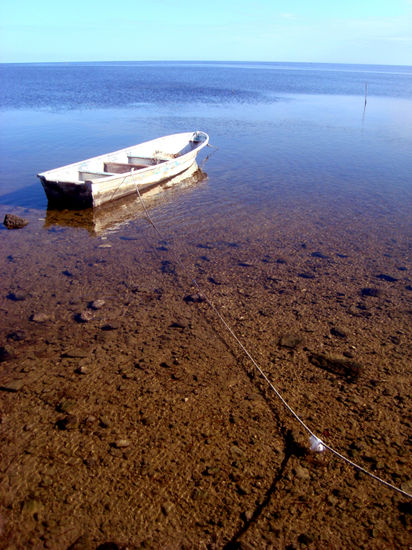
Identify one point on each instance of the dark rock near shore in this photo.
(16, 335)
(168, 268)
(13, 386)
(14, 222)
(16, 296)
(194, 299)
(319, 255)
(290, 341)
(85, 316)
(113, 325)
(69, 422)
(96, 304)
(306, 275)
(373, 292)
(5, 354)
(342, 366)
(387, 278)
(338, 331)
(40, 317)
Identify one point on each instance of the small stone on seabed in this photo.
(14, 222)
(374, 292)
(194, 299)
(40, 317)
(337, 331)
(82, 370)
(167, 508)
(70, 422)
(97, 304)
(16, 296)
(16, 335)
(13, 386)
(247, 515)
(121, 443)
(5, 354)
(302, 473)
(85, 316)
(290, 341)
(113, 325)
(32, 507)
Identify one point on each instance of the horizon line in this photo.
(206, 61)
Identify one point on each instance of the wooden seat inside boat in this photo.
(122, 167)
(148, 161)
(86, 175)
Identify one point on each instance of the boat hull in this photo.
(64, 188)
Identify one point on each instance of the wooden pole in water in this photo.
(366, 93)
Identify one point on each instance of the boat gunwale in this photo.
(47, 176)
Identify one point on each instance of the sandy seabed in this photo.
(130, 418)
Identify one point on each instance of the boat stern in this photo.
(67, 194)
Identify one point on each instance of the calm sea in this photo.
(299, 125)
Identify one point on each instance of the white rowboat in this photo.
(101, 179)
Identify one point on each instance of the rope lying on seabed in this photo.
(316, 444)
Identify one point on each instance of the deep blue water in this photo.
(85, 85)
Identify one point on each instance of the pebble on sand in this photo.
(5, 354)
(121, 443)
(69, 422)
(341, 366)
(373, 292)
(16, 296)
(290, 341)
(85, 316)
(13, 386)
(14, 222)
(194, 299)
(40, 317)
(97, 304)
(82, 370)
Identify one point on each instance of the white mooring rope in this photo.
(316, 444)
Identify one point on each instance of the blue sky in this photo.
(344, 31)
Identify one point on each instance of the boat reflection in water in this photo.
(112, 215)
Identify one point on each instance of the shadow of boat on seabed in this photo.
(112, 215)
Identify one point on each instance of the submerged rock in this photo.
(387, 278)
(373, 292)
(121, 443)
(338, 331)
(306, 275)
(32, 507)
(13, 386)
(290, 341)
(16, 335)
(16, 296)
(342, 366)
(70, 422)
(5, 354)
(97, 304)
(40, 317)
(85, 316)
(14, 222)
(319, 255)
(194, 299)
